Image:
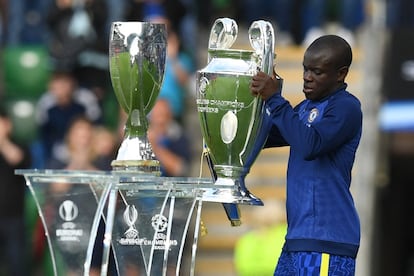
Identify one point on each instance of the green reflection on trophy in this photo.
(231, 118)
(137, 55)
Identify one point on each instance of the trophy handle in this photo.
(262, 39)
(223, 34)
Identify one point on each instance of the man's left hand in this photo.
(265, 86)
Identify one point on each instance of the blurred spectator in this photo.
(400, 14)
(178, 69)
(208, 11)
(82, 140)
(279, 12)
(186, 24)
(104, 152)
(57, 108)
(169, 143)
(24, 21)
(172, 149)
(104, 147)
(79, 41)
(182, 20)
(3, 16)
(179, 65)
(78, 141)
(12, 198)
(117, 11)
(180, 14)
(349, 14)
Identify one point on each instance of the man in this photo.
(12, 197)
(57, 107)
(169, 143)
(323, 133)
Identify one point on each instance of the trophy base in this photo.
(137, 166)
(231, 195)
(227, 190)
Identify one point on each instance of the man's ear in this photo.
(342, 72)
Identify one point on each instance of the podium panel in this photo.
(70, 206)
(151, 223)
(154, 221)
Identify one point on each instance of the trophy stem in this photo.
(137, 124)
(137, 165)
(135, 153)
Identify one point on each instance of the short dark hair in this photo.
(339, 46)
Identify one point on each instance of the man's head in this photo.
(62, 86)
(325, 65)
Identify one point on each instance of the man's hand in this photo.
(265, 86)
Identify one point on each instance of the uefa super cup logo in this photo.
(130, 217)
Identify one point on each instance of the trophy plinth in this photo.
(137, 55)
(151, 224)
(232, 120)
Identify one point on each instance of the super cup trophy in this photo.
(231, 118)
(137, 55)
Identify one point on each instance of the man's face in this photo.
(62, 88)
(320, 76)
(160, 117)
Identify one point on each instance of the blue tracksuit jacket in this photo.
(323, 138)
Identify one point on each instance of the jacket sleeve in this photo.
(340, 122)
(275, 139)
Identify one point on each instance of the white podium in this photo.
(151, 223)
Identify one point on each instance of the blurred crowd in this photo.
(300, 21)
(59, 107)
(55, 56)
(55, 75)
(297, 21)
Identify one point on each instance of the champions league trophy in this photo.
(137, 55)
(231, 118)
